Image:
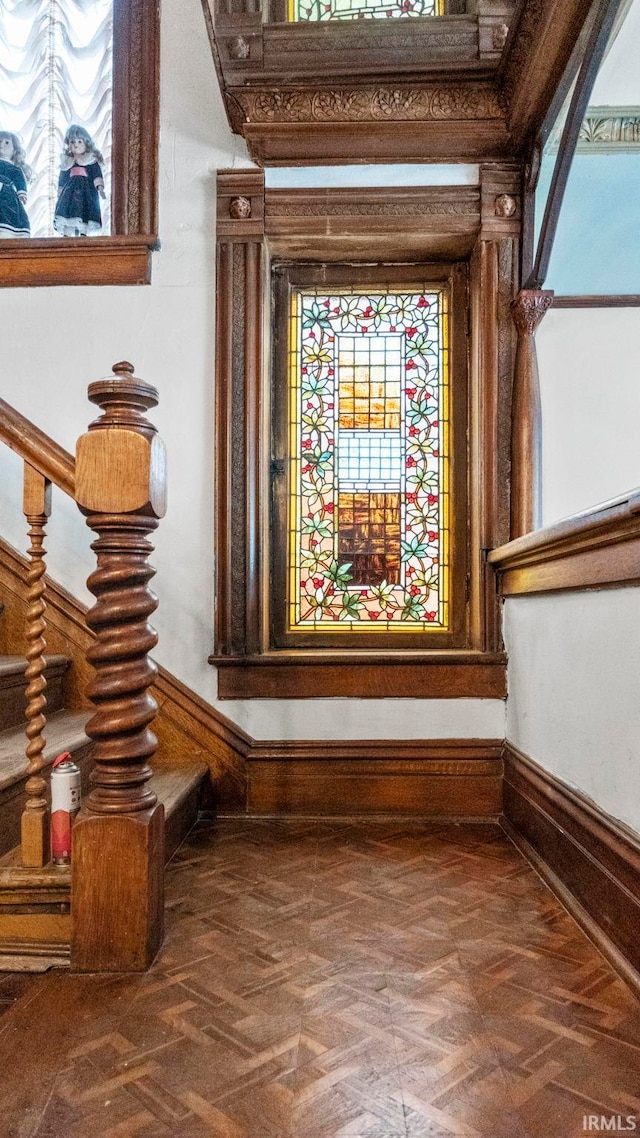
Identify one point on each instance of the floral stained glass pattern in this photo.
(362, 9)
(369, 428)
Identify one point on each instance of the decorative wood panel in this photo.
(398, 223)
(430, 778)
(592, 860)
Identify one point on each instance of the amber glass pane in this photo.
(369, 537)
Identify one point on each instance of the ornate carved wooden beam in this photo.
(345, 90)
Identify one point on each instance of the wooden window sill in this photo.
(118, 260)
(363, 675)
(599, 547)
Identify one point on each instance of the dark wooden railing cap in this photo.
(124, 400)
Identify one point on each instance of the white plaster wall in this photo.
(590, 384)
(67, 337)
(574, 678)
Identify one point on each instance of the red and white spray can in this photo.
(65, 803)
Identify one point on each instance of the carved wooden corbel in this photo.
(528, 310)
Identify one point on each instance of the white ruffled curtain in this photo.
(56, 69)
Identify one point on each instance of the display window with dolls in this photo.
(80, 186)
(15, 175)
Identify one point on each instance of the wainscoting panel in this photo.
(591, 860)
(450, 778)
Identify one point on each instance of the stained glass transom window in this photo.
(362, 9)
(56, 70)
(369, 425)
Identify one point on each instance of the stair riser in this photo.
(13, 701)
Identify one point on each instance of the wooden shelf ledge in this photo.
(117, 260)
(596, 548)
(365, 675)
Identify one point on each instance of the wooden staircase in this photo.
(105, 911)
(35, 907)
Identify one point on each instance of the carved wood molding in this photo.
(397, 103)
(448, 121)
(605, 130)
(240, 205)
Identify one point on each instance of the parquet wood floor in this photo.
(333, 980)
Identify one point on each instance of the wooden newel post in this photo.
(527, 309)
(118, 854)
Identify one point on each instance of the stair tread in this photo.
(172, 784)
(64, 732)
(16, 665)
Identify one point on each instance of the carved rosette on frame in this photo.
(528, 310)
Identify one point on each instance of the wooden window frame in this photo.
(468, 225)
(125, 256)
(287, 276)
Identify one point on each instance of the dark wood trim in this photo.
(295, 221)
(537, 62)
(136, 114)
(594, 52)
(405, 675)
(398, 223)
(493, 279)
(125, 257)
(589, 550)
(307, 142)
(595, 858)
(43, 453)
(620, 300)
(441, 778)
(124, 260)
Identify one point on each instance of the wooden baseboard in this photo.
(449, 778)
(588, 858)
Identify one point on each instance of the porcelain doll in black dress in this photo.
(80, 186)
(14, 176)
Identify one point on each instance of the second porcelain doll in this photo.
(14, 176)
(81, 185)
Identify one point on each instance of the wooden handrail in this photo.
(37, 448)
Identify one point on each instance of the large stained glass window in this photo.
(362, 9)
(56, 70)
(369, 446)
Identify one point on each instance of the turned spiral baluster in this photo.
(120, 489)
(34, 823)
